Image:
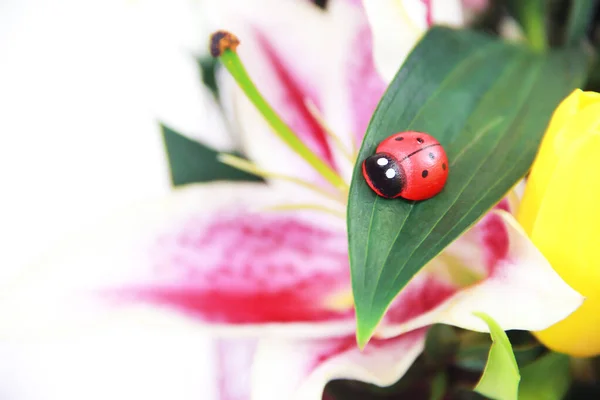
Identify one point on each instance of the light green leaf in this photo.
(548, 378)
(192, 162)
(488, 103)
(500, 379)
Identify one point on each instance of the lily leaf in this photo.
(193, 162)
(488, 103)
(500, 379)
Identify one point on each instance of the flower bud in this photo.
(560, 212)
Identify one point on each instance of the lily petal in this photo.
(300, 369)
(235, 358)
(209, 252)
(354, 87)
(522, 291)
(398, 24)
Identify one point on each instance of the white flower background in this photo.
(83, 87)
(82, 84)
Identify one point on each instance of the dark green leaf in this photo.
(192, 162)
(580, 15)
(548, 378)
(500, 379)
(488, 103)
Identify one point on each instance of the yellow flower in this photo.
(560, 212)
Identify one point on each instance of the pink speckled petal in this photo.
(210, 253)
(300, 369)
(520, 289)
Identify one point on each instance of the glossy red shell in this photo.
(423, 161)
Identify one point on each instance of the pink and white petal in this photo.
(235, 357)
(522, 290)
(210, 253)
(300, 369)
(399, 24)
(285, 52)
(445, 12)
(475, 5)
(354, 87)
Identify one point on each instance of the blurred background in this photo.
(82, 86)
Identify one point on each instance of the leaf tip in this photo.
(363, 334)
(362, 339)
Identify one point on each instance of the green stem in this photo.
(234, 65)
(531, 15)
(535, 25)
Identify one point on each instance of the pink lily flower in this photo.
(264, 267)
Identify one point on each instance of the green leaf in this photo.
(500, 379)
(580, 16)
(548, 378)
(488, 103)
(192, 162)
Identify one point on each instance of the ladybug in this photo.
(412, 165)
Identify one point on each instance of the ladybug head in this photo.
(384, 175)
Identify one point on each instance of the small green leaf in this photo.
(580, 16)
(548, 378)
(474, 347)
(488, 103)
(500, 379)
(192, 162)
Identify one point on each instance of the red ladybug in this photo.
(411, 165)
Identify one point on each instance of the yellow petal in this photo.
(577, 115)
(577, 335)
(567, 227)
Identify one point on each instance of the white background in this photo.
(82, 85)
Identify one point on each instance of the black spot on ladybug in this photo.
(399, 138)
(431, 155)
(420, 140)
(424, 173)
(444, 166)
